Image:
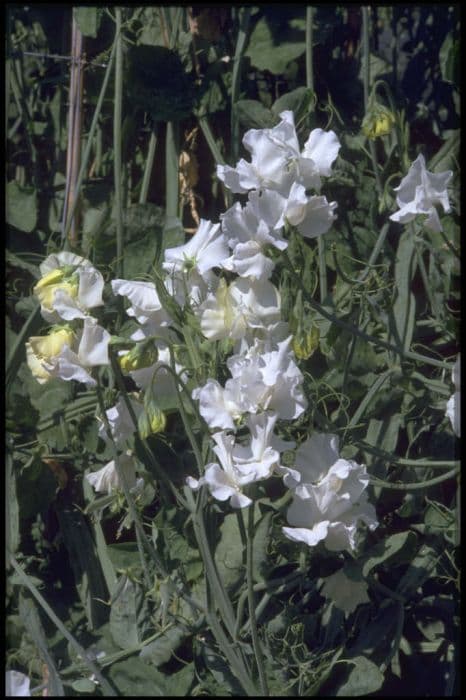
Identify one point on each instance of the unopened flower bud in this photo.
(152, 420)
(141, 355)
(378, 121)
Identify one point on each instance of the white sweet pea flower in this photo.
(251, 228)
(260, 381)
(106, 479)
(312, 216)
(42, 349)
(120, 421)
(454, 402)
(345, 593)
(259, 456)
(68, 288)
(330, 503)
(76, 354)
(145, 303)
(17, 685)
(225, 480)
(419, 191)
(217, 406)
(322, 149)
(273, 156)
(236, 309)
(277, 162)
(204, 251)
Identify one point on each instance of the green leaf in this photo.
(134, 678)
(449, 59)
(253, 115)
(396, 549)
(88, 20)
(260, 557)
(84, 685)
(229, 552)
(86, 567)
(266, 54)
(299, 101)
(126, 603)
(11, 509)
(161, 649)
(123, 555)
(31, 620)
(404, 307)
(364, 678)
(21, 206)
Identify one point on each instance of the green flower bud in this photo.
(378, 121)
(152, 420)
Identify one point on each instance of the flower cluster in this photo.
(222, 277)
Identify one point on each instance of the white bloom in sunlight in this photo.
(225, 480)
(204, 251)
(273, 152)
(68, 288)
(277, 162)
(268, 381)
(454, 402)
(120, 421)
(260, 381)
(238, 308)
(259, 456)
(322, 149)
(17, 685)
(106, 480)
(313, 215)
(345, 593)
(43, 349)
(70, 362)
(251, 228)
(145, 303)
(330, 498)
(419, 191)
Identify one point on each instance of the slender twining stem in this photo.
(419, 485)
(407, 354)
(149, 166)
(26, 581)
(88, 149)
(251, 603)
(117, 140)
(310, 85)
(244, 15)
(366, 81)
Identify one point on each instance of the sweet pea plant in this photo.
(254, 541)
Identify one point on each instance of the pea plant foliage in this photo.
(241, 433)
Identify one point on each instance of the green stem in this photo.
(251, 604)
(106, 687)
(16, 354)
(88, 149)
(415, 486)
(407, 354)
(244, 14)
(366, 82)
(117, 142)
(149, 166)
(171, 172)
(309, 39)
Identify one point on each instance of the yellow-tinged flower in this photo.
(152, 420)
(40, 349)
(60, 278)
(378, 122)
(305, 343)
(141, 356)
